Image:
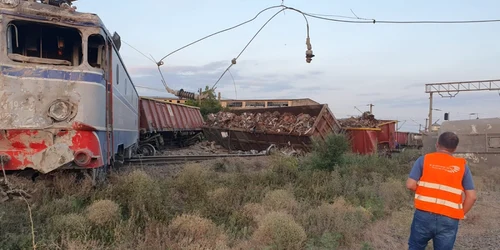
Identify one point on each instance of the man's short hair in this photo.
(448, 140)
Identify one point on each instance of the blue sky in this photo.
(355, 64)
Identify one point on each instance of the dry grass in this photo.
(254, 211)
(103, 212)
(194, 232)
(340, 218)
(391, 233)
(275, 203)
(280, 200)
(81, 245)
(70, 225)
(278, 230)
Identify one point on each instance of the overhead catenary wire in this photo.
(233, 61)
(221, 31)
(325, 17)
(374, 21)
(257, 33)
(149, 58)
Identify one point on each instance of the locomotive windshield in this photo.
(39, 43)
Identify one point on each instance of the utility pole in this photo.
(371, 108)
(199, 97)
(430, 110)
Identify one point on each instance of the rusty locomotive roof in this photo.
(46, 12)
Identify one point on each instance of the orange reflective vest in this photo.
(440, 190)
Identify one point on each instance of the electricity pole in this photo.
(371, 108)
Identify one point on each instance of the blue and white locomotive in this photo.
(66, 98)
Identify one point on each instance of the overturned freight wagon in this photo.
(167, 124)
(257, 129)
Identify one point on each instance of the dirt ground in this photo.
(481, 228)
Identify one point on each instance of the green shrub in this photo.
(318, 186)
(326, 155)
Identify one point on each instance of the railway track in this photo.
(153, 160)
(176, 159)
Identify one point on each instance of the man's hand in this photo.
(411, 184)
(470, 199)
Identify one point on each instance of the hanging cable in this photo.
(309, 53)
(233, 61)
(149, 58)
(218, 32)
(365, 20)
(191, 95)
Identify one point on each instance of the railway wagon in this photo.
(408, 140)
(241, 139)
(164, 124)
(363, 140)
(66, 98)
(479, 140)
(387, 135)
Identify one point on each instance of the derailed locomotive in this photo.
(66, 98)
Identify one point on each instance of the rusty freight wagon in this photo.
(165, 124)
(257, 129)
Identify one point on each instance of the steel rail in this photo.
(185, 158)
(173, 159)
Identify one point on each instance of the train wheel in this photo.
(146, 150)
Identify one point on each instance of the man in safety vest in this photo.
(444, 194)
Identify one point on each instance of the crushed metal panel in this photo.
(52, 158)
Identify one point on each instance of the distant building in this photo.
(252, 103)
(266, 103)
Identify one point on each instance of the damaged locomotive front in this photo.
(55, 97)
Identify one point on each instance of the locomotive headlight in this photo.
(60, 110)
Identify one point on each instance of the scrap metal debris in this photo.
(366, 120)
(264, 122)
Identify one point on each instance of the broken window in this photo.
(40, 43)
(96, 51)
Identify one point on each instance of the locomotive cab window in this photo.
(38, 43)
(96, 51)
